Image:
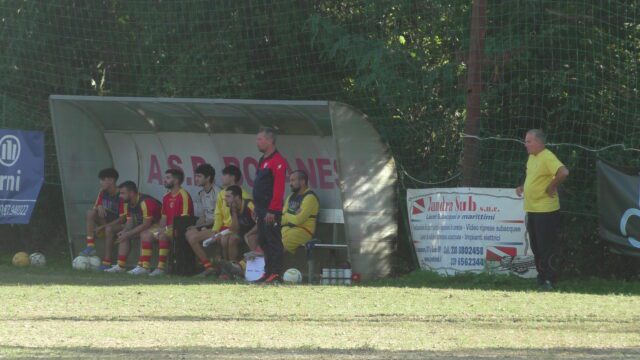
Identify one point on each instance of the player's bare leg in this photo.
(195, 239)
(234, 247)
(224, 244)
(110, 232)
(92, 220)
(251, 239)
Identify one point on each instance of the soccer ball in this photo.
(94, 263)
(81, 263)
(37, 259)
(21, 259)
(292, 276)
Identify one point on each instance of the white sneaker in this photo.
(138, 270)
(158, 272)
(115, 269)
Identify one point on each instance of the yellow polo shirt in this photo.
(541, 170)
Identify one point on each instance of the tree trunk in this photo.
(470, 152)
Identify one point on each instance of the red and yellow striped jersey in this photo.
(179, 204)
(144, 207)
(112, 203)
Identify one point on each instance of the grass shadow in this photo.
(490, 282)
(227, 353)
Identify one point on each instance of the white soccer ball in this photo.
(94, 263)
(37, 259)
(292, 276)
(81, 263)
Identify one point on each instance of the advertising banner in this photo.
(470, 230)
(21, 174)
(619, 208)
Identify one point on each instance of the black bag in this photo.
(183, 259)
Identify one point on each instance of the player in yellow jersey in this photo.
(231, 175)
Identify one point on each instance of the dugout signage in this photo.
(21, 174)
(469, 230)
(145, 158)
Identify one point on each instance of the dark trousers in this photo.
(270, 240)
(543, 229)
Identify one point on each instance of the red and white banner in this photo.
(145, 157)
(469, 229)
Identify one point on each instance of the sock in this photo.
(106, 261)
(146, 254)
(164, 251)
(122, 261)
(90, 241)
(205, 262)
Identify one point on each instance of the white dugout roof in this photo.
(350, 167)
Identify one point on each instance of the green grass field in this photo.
(57, 312)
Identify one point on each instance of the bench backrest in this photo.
(331, 216)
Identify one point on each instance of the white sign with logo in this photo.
(21, 174)
(469, 230)
(9, 150)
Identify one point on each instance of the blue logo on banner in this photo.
(21, 174)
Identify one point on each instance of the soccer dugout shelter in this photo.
(349, 166)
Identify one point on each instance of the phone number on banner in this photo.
(467, 261)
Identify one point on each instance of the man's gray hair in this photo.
(269, 132)
(539, 134)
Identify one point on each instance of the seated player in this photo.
(231, 176)
(106, 214)
(242, 224)
(204, 176)
(142, 212)
(177, 202)
(300, 213)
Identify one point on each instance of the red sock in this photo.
(122, 260)
(90, 241)
(106, 261)
(205, 262)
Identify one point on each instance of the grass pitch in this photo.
(57, 312)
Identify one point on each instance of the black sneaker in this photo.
(546, 286)
(233, 268)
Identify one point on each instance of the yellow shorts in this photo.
(156, 231)
(293, 238)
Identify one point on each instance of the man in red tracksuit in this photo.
(268, 192)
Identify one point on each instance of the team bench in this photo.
(334, 217)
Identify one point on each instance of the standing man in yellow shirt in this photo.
(540, 190)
